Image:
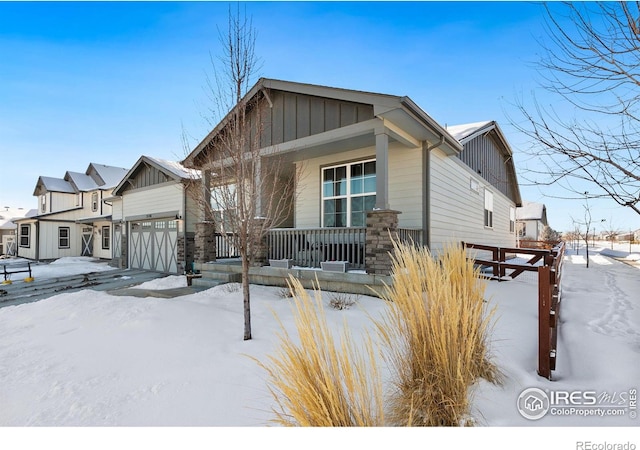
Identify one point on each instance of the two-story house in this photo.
(72, 218)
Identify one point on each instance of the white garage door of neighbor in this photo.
(154, 245)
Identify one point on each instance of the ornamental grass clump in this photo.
(316, 381)
(435, 336)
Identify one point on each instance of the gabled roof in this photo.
(81, 181)
(175, 167)
(50, 184)
(172, 169)
(106, 177)
(466, 133)
(532, 211)
(97, 176)
(400, 111)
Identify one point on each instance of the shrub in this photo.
(340, 300)
(435, 336)
(318, 382)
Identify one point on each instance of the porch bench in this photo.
(21, 267)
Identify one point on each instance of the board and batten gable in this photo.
(295, 116)
(457, 206)
(483, 156)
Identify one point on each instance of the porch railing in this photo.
(410, 235)
(224, 246)
(308, 247)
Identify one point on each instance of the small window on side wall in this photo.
(94, 202)
(512, 219)
(63, 237)
(25, 232)
(488, 208)
(106, 237)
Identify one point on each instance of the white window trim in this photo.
(488, 206)
(348, 195)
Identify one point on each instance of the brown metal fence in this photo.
(548, 265)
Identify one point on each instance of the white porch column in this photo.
(382, 169)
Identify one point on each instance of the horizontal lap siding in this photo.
(406, 184)
(153, 201)
(457, 212)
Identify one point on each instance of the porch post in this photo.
(382, 168)
(382, 226)
(205, 235)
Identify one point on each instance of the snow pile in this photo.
(91, 359)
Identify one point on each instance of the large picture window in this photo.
(63, 237)
(348, 192)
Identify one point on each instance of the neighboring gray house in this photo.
(365, 155)
(531, 219)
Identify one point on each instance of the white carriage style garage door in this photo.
(154, 245)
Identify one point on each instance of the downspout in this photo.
(426, 190)
(37, 255)
(187, 269)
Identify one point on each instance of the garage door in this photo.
(154, 245)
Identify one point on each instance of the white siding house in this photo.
(531, 218)
(362, 152)
(72, 218)
(153, 216)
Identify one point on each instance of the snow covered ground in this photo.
(88, 359)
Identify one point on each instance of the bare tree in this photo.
(587, 223)
(247, 189)
(590, 62)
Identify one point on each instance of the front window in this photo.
(63, 237)
(43, 203)
(348, 192)
(25, 231)
(488, 208)
(106, 237)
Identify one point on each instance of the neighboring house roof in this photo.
(10, 214)
(532, 211)
(81, 181)
(97, 176)
(108, 176)
(50, 184)
(400, 112)
(171, 169)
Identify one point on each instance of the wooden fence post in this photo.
(544, 318)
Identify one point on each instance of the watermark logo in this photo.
(535, 403)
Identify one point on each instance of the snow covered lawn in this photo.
(91, 359)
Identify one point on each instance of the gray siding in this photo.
(483, 156)
(295, 116)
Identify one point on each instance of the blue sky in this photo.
(85, 82)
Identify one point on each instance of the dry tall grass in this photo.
(317, 382)
(436, 335)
